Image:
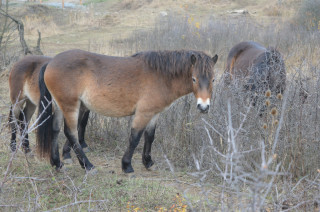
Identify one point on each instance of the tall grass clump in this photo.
(308, 15)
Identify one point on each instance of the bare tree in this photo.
(10, 29)
(20, 28)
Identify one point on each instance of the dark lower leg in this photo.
(13, 131)
(66, 150)
(133, 143)
(24, 133)
(148, 140)
(55, 158)
(82, 123)
(82, 127)
(25, 118)
(13, 137)
(83, 160)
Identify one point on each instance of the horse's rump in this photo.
(259, 68)
(23, 78)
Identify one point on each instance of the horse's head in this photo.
(202, 79)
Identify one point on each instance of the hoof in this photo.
(63, 169)
(86, 149)
(147, 161)
(60, 167)
(13, 147)
(68, 161)
(26, 150)
(127, 168)
(92, 171)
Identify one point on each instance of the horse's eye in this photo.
(193, 80)
(213, 81)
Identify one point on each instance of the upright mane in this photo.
(176, 63)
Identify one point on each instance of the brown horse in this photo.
(142, 85)
(261, 68)
(25, 96)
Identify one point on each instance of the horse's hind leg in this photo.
(28, 111)
(82, 128)
(57, 121)
(71, 132)
(82, 123)
(66, 152)
(148, 140)
(14, 119)
(12, 124)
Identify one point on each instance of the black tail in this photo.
(44, 131)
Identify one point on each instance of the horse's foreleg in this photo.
(148, 140)
(71, 132)
(139, 123)
(133, 143)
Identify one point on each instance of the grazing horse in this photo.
(25, 95)
(261, 68)
(142, 85)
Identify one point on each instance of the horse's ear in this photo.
(193, 59)
(215, 58)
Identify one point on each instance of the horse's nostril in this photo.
(202, 108)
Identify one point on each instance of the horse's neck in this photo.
(181, 86)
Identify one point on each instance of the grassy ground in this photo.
(34, 185)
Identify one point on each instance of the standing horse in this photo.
(261, 68)
(142, 85)
(25, 95)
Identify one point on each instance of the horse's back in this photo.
(242, 56)
(23, 78)
(257, 64)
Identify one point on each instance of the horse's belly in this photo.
(112, 112)
(109, 105)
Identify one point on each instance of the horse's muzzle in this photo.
(203, 109)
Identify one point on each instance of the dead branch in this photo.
(20, 28)
(37, 49)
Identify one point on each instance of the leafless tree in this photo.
(11, 28)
